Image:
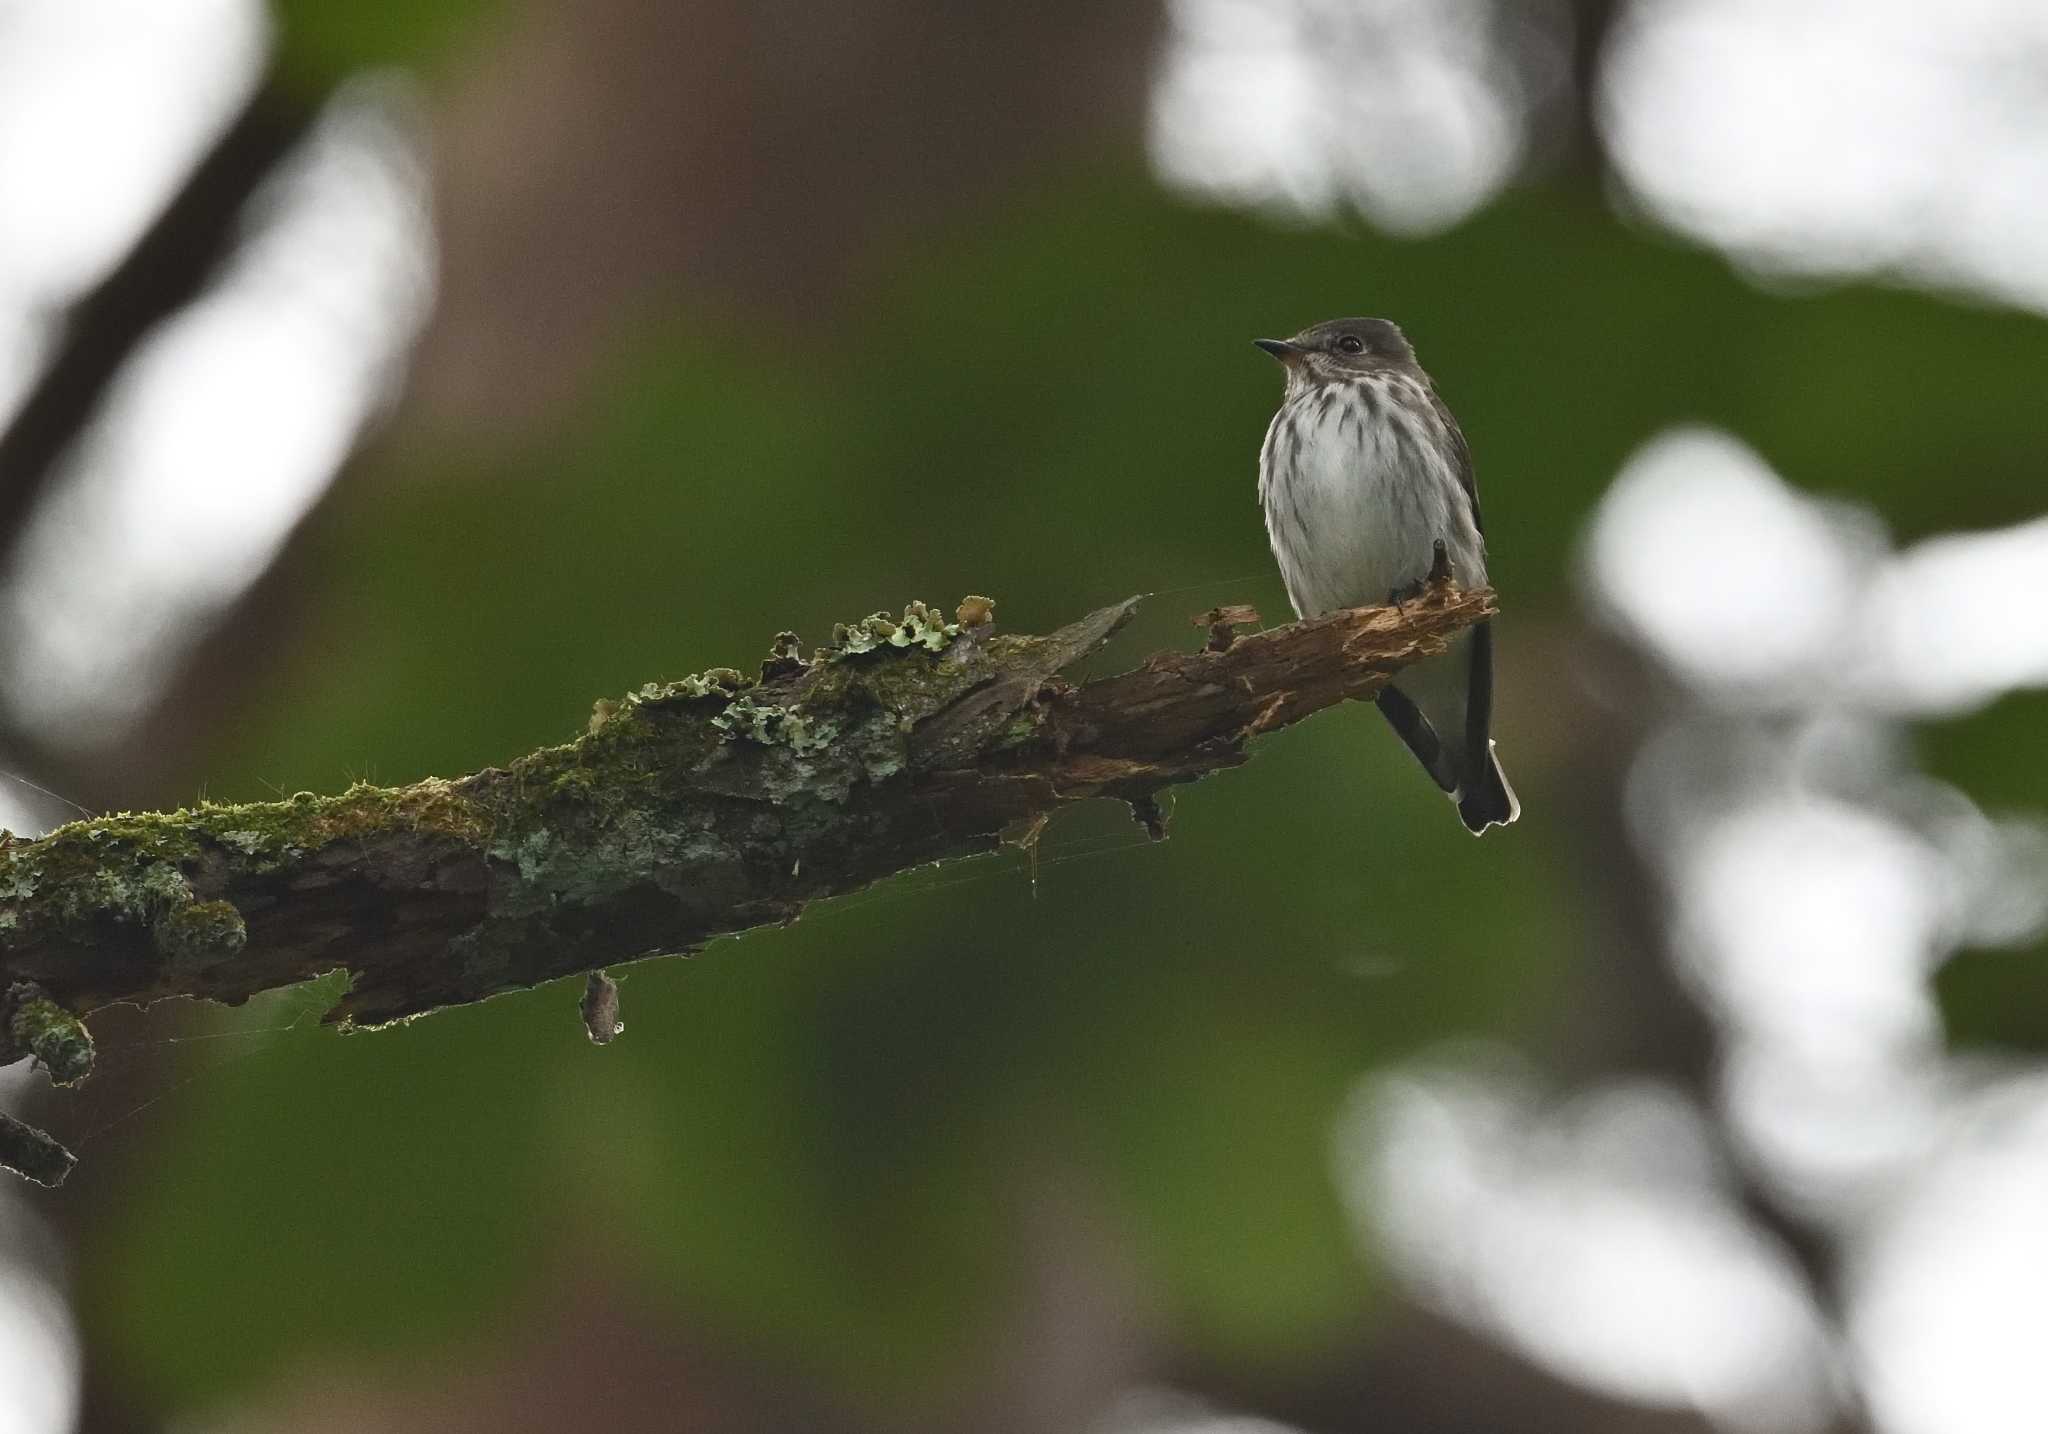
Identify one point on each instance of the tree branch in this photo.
(687, 811)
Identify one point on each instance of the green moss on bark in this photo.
(57, 1039)
(200, 934)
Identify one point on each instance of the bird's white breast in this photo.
(1357, 488)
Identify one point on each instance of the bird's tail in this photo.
(1465, 767)
(1486, 799)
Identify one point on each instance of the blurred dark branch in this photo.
(168, 267)
(1557, 49)
(687, 811)
(1593, 23)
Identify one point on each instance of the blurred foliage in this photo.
(1995, 998)
(1995, 754)
(320, 43)
(835, 1135)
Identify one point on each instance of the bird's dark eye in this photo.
(1351, 344)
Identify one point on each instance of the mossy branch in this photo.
(687, 811)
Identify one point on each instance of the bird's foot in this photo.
(1436, 581)
(1440, 574)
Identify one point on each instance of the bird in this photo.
(1364, 474)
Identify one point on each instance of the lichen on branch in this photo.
(686, 810)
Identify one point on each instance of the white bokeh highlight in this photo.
(1596, 1238)
(103, 106)
(1947, 1289)
(1723, 571)
(1842, 137)
(1403, 109)
(223, 431)
(40, 1359)
(1959, 620)
(1762, 596)
(1811, 923)
(1816, 882)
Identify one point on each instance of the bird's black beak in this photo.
(1279, 348)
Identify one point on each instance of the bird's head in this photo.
(1339, 349)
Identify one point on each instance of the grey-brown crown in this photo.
(1345, 343)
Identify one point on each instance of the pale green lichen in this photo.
(919, 627)
(17, 878)
(162, 889)
(529, 852)
(120, 868)
(785, 655)
(816, 720)
(720, 682)
(53, 1035)
(627, 848)
(771, 725)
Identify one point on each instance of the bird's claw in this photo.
(1439, 566)
(1438, 578)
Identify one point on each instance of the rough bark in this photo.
(687, 811)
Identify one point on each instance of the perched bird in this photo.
(1362, 474)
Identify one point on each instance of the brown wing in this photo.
(1462, 454)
